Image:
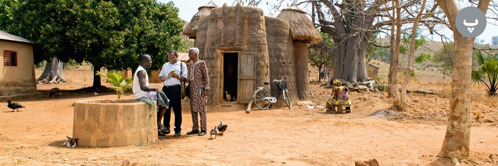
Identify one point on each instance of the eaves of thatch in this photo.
(191, 29)
(301, 27)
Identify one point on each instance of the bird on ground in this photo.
(310, 107)
(14, 106)
(213, 132)
(222, 127)
(228, 96)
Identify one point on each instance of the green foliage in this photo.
(423, 57)
(444, 58)
(118, 82)
(487, 70)
(105, 33)
(319, 56)
(377, 53)
(7, 8)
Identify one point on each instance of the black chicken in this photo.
(213, 132)
(14, 106)
(222, 127)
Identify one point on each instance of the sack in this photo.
(184, 91)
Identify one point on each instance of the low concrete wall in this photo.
(108, 123)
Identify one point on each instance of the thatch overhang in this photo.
(191, 29)
(302, 29)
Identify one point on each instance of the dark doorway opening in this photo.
(230, 74)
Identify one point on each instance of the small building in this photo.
(372, 71)
(243, 49)
(17, 70)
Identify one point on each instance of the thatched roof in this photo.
(14, 38)
(191, 29)
(302, 28)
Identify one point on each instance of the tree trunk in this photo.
(96, 78)
(457, 138)
(349, 60)
(393, 68)
(52, 73)
(410, 57)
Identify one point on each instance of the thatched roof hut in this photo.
(243, 48)
(191, 29)
(301, 27)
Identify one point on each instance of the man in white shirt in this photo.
(141, 88)
(173, 73)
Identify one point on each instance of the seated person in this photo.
(142, 90)
(340, 96)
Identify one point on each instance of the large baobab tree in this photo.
(351, 23)
(457, 139)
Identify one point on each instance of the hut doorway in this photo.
(230, 76)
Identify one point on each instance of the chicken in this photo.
(228, 97)
(222, 127)
(310, 107)
(213, 132)
(14, 106)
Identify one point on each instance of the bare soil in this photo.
(278, 136)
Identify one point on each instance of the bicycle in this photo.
(263, 98)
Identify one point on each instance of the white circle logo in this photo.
(470, 22)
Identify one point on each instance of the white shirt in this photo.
(137, 91)
(168, 67)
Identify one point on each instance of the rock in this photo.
(125, 162)
(372, 162)
(383, 114)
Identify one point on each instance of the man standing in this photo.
(173, 73)
(199, 86)
(141, 88)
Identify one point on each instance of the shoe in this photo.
(202, 133)
(160, 133)
(163, 129)
(166, 131)
(177, 134)
(192, 132)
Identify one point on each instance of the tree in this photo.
(318, 54)
(494, 40)
(7, 8)
(457, 138)
(351, 23)
(105, 33)
(444, 57)
(487, 70)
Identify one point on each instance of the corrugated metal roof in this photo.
(11, 37)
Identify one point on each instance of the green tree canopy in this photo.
(109, 34)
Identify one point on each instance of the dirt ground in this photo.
(278, 136)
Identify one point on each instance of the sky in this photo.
(188, 8)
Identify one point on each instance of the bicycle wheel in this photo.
(259, 98)
(287, 99)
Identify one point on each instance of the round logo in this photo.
(470, 22)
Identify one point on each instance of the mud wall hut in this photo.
(17, 71)
(243, 49)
